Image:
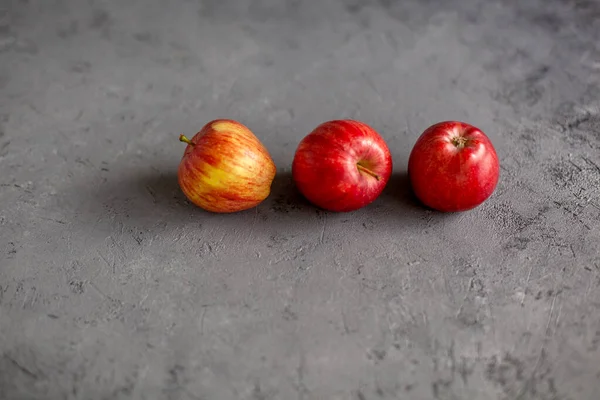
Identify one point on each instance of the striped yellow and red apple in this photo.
(225, 168)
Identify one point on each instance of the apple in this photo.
(453, 166)
(342, 165)
(225, 168)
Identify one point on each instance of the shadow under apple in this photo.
(285, 198)
(142, 197)
(152, 202)
(400, 197)
(398, 194)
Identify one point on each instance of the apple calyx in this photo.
(367, 171)
(184, 139)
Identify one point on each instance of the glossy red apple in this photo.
(342, 165)
(225, 168)
(453, 166)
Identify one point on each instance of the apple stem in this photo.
(367, 171)
(459, 141)
(184, 139)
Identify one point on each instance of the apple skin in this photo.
(342, 165)
(453, 167)
(225, 168)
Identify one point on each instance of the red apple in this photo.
(342, 165)
(453, 167)
(225, 168)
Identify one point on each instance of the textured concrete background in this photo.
(112, 286)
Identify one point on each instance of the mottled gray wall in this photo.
(113, 286)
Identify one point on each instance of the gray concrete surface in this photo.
(112, 286)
